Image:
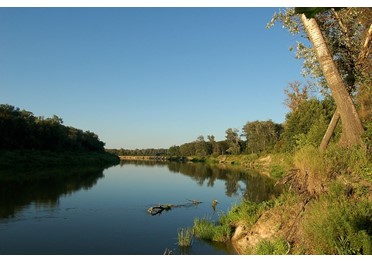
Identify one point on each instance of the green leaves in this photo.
(311, 12)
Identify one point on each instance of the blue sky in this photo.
(147, 77)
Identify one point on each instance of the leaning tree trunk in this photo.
(331, 128)
(352, 128)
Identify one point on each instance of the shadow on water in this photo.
(18, 189)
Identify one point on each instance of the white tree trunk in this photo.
(352, 128)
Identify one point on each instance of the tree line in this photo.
(304, 124)
(139, 152)
(20, 129)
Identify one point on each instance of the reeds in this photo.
(185, 237)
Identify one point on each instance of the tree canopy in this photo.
(20, 129)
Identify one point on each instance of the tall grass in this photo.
(246, 212)
(349, 161)
(338, 223)
(337, 220)
(207, 230)
(333, 162)
(185, 237)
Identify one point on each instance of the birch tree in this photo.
(337, 59)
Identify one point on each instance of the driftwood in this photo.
(155, 210)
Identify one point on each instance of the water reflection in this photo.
(45, 187)
(18, 189)
(250, 184)
(111, 217)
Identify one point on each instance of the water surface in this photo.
(104, 211)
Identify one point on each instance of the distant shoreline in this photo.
(157, 158)
(25, 159)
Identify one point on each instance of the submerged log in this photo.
(155, 210)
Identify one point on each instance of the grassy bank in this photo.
(24, 159)
(326, 208)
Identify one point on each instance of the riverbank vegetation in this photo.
(32, 141)
(325, 209)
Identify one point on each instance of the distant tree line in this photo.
(20, 129)
(139, 152)
(306, 123)
(261, 136)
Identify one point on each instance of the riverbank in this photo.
(25, 159)
(272, 165)
(146, 158)
(326, 208)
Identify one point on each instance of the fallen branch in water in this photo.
(154, 210)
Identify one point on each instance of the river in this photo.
(92, 211)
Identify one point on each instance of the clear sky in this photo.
(147, 77)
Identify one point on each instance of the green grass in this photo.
(338, 223)
(276, 247)
(204, 228)
(246, 212)
(185, 237)
(207, 230)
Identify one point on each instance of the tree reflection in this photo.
(250, 184)
(42, 187)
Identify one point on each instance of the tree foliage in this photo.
(261, 136)
(347, 32)
(233, 141)
(307, 124)
(295, 94)
(20, 129)
(145, 152)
